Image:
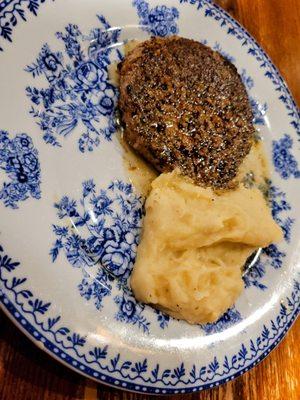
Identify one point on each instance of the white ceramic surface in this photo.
(66, 203)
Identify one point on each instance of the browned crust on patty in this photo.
(184, 105)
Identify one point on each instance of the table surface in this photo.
(27, 373)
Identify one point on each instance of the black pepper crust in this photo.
(184, 105)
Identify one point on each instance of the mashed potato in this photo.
(255, 166)
(194, 244)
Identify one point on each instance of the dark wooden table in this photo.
(26, 373)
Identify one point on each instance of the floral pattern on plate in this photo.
(160, 20)
(284, 161)
(19, 160)
(79, 93)
(34, 307)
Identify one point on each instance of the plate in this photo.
(67, 206)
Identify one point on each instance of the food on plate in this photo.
(185, 110)
(140, 173)
(184, 105)
(254, 170)
(194, 244)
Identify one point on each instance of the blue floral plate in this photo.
(67, 206)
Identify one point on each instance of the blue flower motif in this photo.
(70, 39)
(107, 242)
(19, 160)
(142, 8)
(101, 204)
(95, 288)
(222, 367)
(127, 308)
(88, 75)
(285, 163)
(272, 256)
(23, 142)
(247, 80)
(12, 12)
(254, 276)
(276, 256)
(129, 311)
(85, 289)
(88, 187)
(119, 253)
(259, 111)
(77, 252)
(160, 20)
(279, 206)
(162, 318)
(30, 163)
(66, 207)
(60, 231)
(228, 319)
(79, 94)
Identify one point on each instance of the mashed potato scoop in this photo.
(194, 245)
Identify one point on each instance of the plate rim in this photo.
(130, 386)
(6, 304)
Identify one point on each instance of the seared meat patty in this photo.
(184, 105)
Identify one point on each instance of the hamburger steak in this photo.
(184, 105)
